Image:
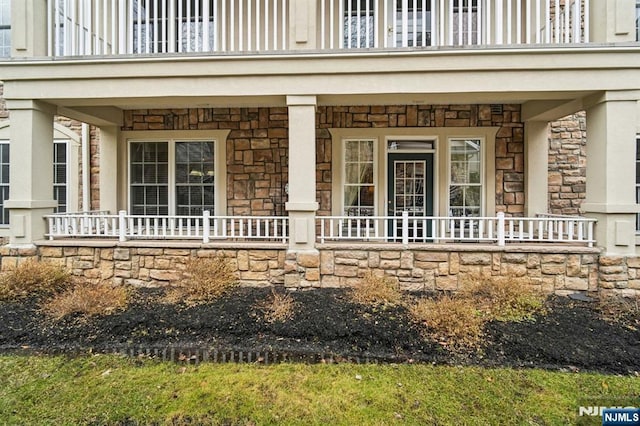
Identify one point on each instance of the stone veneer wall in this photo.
(418, 268)
(257, 146)
(567, 164)
(257, 150)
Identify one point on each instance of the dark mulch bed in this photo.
(570, 336)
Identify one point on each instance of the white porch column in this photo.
(536, 156)
(302, 23)
(612, 21)
(31, 171)
(302, 204)
(109, 168)
(28, 28)
(611, 170)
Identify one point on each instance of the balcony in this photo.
(135, 27)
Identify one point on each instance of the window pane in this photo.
(149, 177)
(465, 188)
(359, 187)
(194, 177)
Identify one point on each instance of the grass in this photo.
(33, 278)
(376, 289)
(205, 280)
(86, 299)
(109, 390)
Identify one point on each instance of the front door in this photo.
(410, 189)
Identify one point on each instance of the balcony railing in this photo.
(127, 27)
(500, 229)
(352, 24)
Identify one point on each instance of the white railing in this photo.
(500, 229)
(206, 228)
(125, 27)
(348, 24)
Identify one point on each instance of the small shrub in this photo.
(454, 323)
(279, 307)
(505, 298)
(33, 278)
(376, 290)
(206, 279)
(86, 299)
(620, 310)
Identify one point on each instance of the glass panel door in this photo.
(410, 184)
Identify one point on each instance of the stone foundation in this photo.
(554, 269)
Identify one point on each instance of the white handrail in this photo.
(130, 227)
(422, 229)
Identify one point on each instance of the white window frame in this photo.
(171, 169)
(7, 185)
(483, 182)
(66, 185)
(435, 140)
(67, 163)
(343, 165)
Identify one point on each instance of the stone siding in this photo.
(421, 268)
(257, 145)
(257, 150)
(567, 164)
(152, 265)
(509, 149)
(438, 269)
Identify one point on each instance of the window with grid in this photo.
(5, 28)
(359, 187)
(186, 166)
(152, 25)
(463, 11)
(195, 189)
(359, 29)
(4, 181)
(465, 177)
(60, 178)
(413, 23)
(149, 178)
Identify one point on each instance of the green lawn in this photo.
(111, 389)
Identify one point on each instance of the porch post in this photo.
(536, 167)
(303, 19)
(109, 168)
(31, 171)
(612, 21)
(302, 204)
(29, 28)
(611, 169)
